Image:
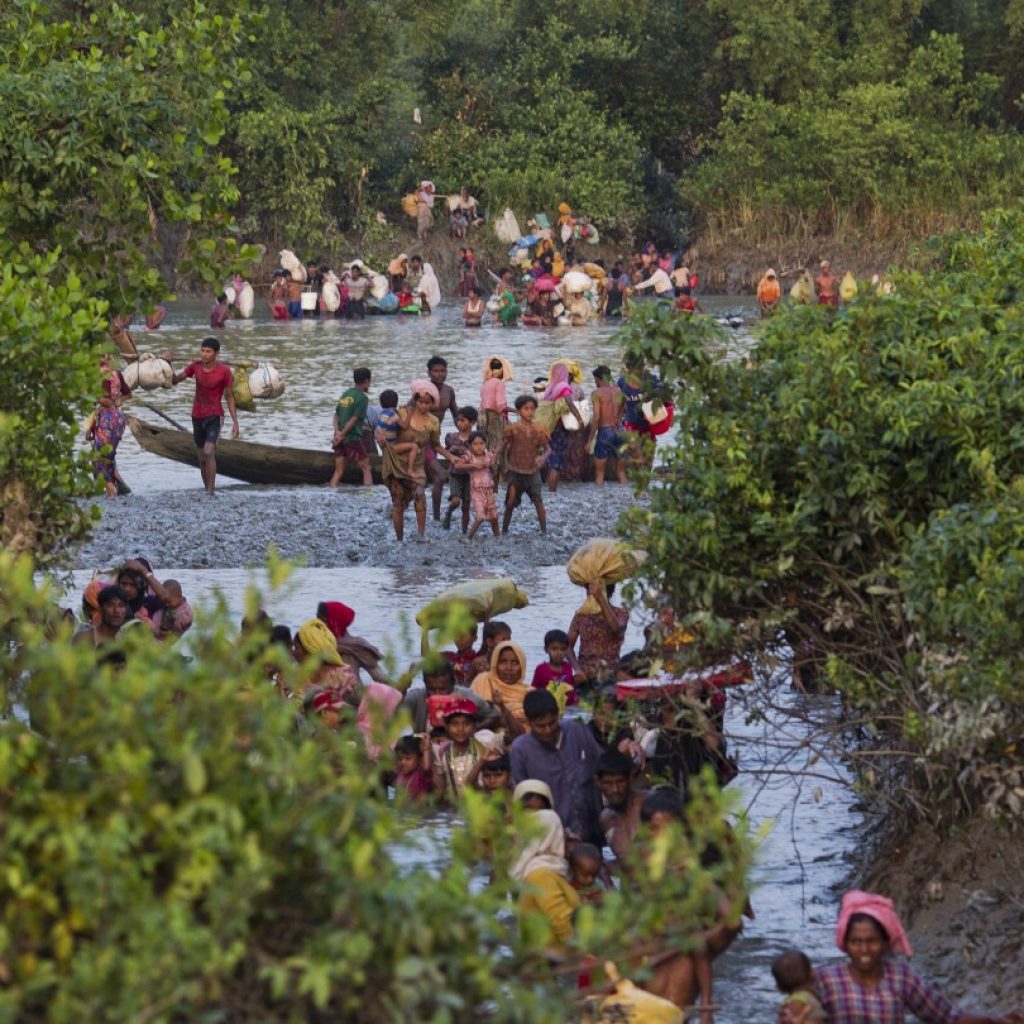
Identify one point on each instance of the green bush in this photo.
(852, 486)
(173, 846)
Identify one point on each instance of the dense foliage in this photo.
(657, 118)
(176, 845)
(853, 487)
(110, 182)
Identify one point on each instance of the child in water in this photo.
(795, 978)
(557, 668)
(389, 422)
(460, 753)
(481, 484)
(585, 863)
(413, 769)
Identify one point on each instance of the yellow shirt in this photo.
(550, 894)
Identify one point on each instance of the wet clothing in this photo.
(206, 430)
(219, 315)
(900, 990)
(525, 443)
(108, 429)
(210, 387)
(481, 486)
(406, 487)
(599, 646)
(524, 483)
(388, 423)
(608, 443)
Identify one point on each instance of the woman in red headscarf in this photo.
(357, 653)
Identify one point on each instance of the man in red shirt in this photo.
(213, 381)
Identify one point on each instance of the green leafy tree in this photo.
(849, 489)
(110, 184)
(176, 845)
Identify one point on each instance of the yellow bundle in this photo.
(848, 288)
(803, 289)
(409, 204)
(629, 1003)
(602, 560)
(480, 597)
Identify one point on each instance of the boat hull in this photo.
(248, 461)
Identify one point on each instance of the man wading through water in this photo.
(213, 380)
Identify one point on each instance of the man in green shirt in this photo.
(349, 420)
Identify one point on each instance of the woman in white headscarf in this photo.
(543, 869)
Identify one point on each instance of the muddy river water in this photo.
(215, 547)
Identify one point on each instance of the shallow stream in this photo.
(350, 553)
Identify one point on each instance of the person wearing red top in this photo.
(557, 668)
(213, 382)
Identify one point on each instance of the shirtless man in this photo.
(620, 819)
(607, 401)
(113, 605)
(279, 296)
(294, 299)
(826, 284)
(437, 475)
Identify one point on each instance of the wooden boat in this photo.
(248, 461)
(257, 463)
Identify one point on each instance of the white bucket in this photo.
(309, 301)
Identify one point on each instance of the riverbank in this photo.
(729, 265)
(960, 896)
(326, 529)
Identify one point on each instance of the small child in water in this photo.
(585, 863)
(795, 978)
(389, 422)
(413, 768)
(556, 669)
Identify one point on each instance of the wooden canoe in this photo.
(248, 461)
(258, 463)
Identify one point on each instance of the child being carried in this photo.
(794, 977)
(389, 422)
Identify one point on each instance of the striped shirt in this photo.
(900, 989)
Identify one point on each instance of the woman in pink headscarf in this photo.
(418, 425)
(872, 988)
(559, 398)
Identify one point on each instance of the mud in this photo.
(332, 529)
(961, 897)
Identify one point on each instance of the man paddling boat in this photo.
(213, 382)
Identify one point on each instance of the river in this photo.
(350, 554)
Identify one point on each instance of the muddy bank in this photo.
(733, 266)
(961, 896)
(333, 529)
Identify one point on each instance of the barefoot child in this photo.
(527, 446)
(388, 423)
(795, 978)
(481, 484)
(459, 480)
(557, 668)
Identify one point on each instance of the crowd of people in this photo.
(554, 427)
(593, 779)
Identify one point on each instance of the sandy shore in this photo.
(330, 529)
